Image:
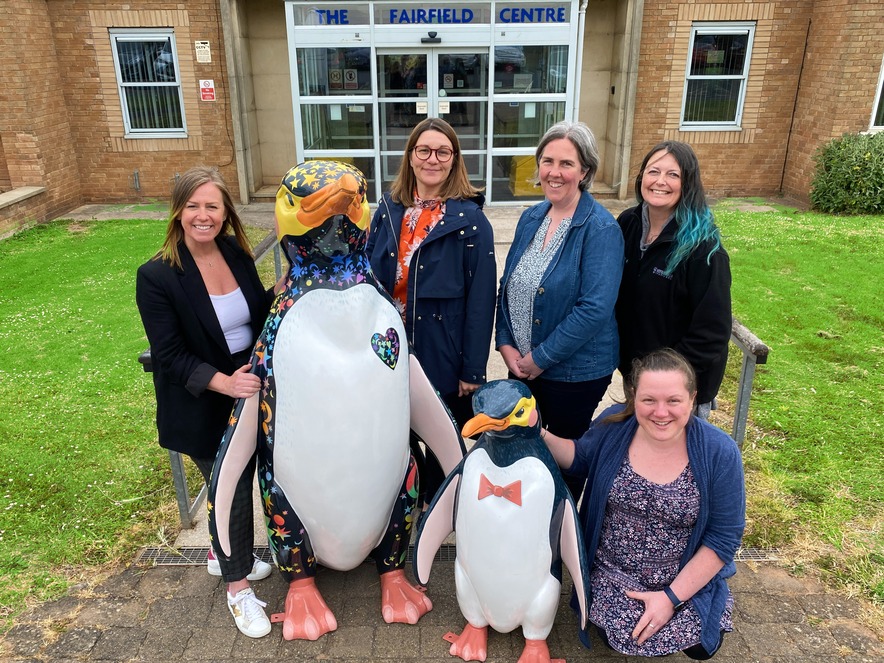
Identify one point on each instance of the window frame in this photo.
(147, 35)
(702, 29)
(879, 103)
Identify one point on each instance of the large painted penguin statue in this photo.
(515, 521)
(331, 424)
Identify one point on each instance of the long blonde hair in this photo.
(183, 190)
(458, 183)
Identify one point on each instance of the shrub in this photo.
(849, 176)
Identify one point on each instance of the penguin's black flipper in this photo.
(237, 448)
(436, 524)
(431, 421)
(571, 547)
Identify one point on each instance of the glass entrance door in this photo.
(433, 82)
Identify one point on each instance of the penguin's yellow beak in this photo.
(296, 216)
(520, 416)
(482, 422)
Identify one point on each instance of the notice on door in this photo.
(350, 80)
(207, 90)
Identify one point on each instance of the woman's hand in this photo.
(511, 357)
(466, 388)
(528, 367)
(658, 612)
(242, 384)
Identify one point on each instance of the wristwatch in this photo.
(677, 603)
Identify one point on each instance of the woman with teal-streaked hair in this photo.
(676, 285)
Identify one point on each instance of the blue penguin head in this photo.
(322, 207)
(503, 409)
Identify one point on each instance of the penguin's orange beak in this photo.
(482, 422)
(340, 197)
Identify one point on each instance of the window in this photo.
(878, 116)
(717, 71)
(149, 82)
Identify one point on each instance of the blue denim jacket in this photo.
(574, 335)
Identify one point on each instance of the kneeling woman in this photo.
(663, 515)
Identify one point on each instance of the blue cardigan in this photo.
(718, 471)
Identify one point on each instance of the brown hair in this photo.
(183, 190)
(665, 359)
(458, 183)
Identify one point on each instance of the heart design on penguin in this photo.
(386, 346)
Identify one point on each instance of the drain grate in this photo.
(446, 553)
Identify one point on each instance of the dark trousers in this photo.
(242, 527)
(566, 409)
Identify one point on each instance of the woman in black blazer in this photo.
(203, 305)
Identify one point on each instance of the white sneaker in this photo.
(260, 570)
(248, 613)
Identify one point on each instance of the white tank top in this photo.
(233, 314)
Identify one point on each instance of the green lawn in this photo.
(85, 484)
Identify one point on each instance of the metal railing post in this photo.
(754, 352)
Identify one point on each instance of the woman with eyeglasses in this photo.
(432, 248)
(555, 326)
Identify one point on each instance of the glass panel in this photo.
(153, 107)
(146, 61)
(553, 12)
(522, 124)
(535, 69)
(712, 100)
(513, 179)
(365, 164)
(468, 119)
(402, 75)
(719, 55)
(463, 74)
(331, 13)
(334, 71)
(337, 126)
(420, 13)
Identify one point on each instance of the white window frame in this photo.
(879, 103)
(718, 28)
(142, 35)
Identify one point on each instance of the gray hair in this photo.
(582, 139)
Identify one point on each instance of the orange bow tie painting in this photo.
(512, 492)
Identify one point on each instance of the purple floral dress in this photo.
(646, 529)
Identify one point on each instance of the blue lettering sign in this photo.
(532, 15)
(333, 17)
(440, 15)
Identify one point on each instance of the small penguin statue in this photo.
(516, 522)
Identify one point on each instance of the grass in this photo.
(85, 484)
(809, 286)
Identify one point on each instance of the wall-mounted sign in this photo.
(207, 90)
(203, 52)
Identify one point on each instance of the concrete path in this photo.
(162, 606)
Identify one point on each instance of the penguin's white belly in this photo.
(342, 419)
(503, 549)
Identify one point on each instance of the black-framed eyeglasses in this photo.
(423, 153)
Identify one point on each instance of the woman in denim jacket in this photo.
(555, 325)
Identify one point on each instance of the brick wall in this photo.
(838, 83)
(38, 149)
(743, 162)
(107, 159)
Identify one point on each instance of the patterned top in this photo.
(417, 223)
(526, 279)
(644, 534)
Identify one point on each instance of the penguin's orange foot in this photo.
(536, 651)
(307, 616)
(470, 645)
(402, 602)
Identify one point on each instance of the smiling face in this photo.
(203, 216)
(560, 173)
(661, 182)
(432, 173)
(663, 405)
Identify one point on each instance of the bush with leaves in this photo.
(849, 176)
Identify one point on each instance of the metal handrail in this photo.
(754, 352)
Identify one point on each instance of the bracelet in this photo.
(543, 434)
(677, 603)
